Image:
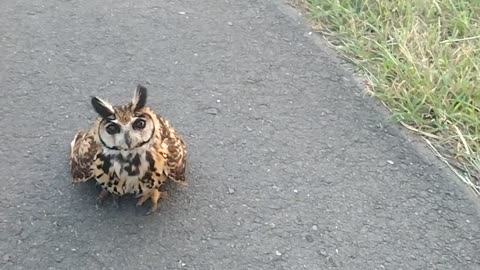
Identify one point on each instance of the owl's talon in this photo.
(115, 201)
(98, 204)
(101, 198)
(142, 200)
(152, 210)
(154, 196)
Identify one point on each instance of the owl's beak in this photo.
(128, 141)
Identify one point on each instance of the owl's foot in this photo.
(143, 199)
(155, 196)
(182, 182)
(116, 201)
(101, 198)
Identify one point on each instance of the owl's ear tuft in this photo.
(140, 98)
(103, 108)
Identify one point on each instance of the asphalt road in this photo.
(291, 167)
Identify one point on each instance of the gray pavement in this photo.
(291, 167)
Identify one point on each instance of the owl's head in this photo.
(125, 127)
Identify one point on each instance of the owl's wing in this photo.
(82, 156)
(176, 154)
(176, 159)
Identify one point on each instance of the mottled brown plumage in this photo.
(129, 150)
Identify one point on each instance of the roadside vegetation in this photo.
(422, 60)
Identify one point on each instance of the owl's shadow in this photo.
(127, 203)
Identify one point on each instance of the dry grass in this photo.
(422, 59)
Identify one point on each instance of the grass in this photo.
(422, 60)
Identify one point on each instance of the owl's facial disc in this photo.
(125, 127)
(134, 133)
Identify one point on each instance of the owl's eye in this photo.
(139, 124)
(113, 129)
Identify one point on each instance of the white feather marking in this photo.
(106, 104)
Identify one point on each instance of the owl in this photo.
(129, 150)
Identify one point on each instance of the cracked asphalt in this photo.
(291, 167)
